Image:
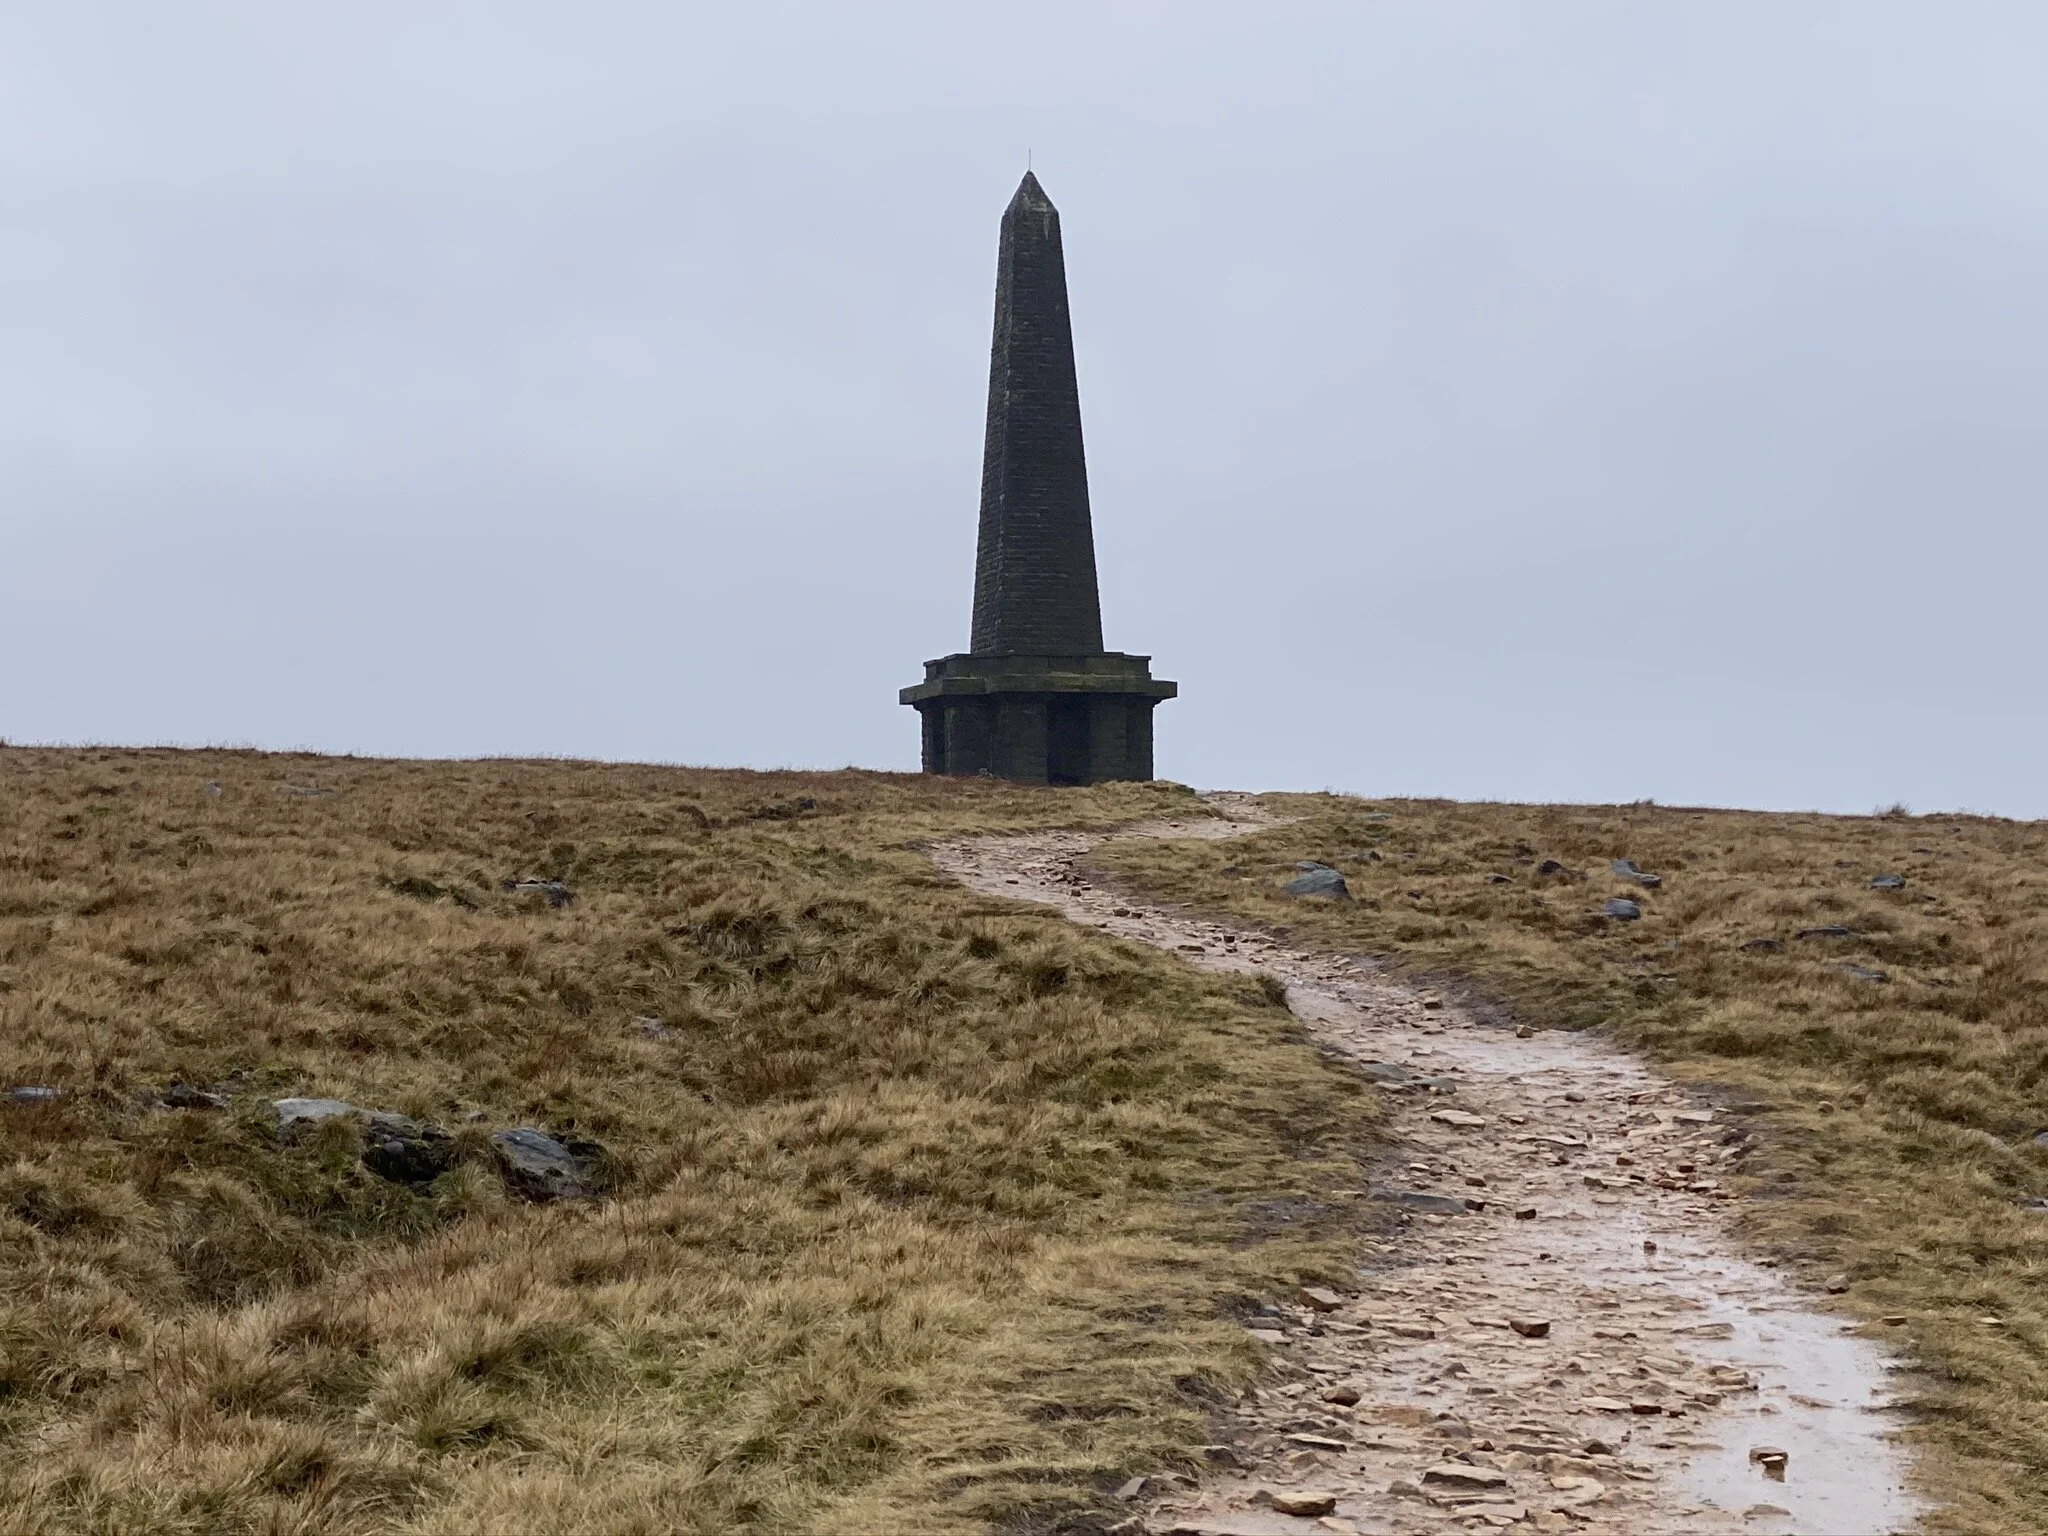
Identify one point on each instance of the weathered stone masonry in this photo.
(1036, 698)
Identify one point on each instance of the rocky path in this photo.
(1562, 1335)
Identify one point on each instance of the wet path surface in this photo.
(1560, 1335)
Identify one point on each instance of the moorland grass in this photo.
(1893, 1119)
(926, 1213)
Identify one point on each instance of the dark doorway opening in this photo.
(1066, 739)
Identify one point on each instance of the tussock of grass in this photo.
(926, 1211)
(1894, 1118)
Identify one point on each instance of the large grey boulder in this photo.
(538, 1167)
(1318, 880)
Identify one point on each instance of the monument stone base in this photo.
(1039, 719)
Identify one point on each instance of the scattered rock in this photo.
(1861, 972)
(1764, 946)
(652, 1028)
(1626, 868)
(1305, 1505)
(1222, 1456)
(1888, 883)
(305, 791)
(1343, 1397)
(1825, 931)
(1499, 880)
(558, 894)
(185, 1096)
(1622, 910)
(294, 1115)
(1552, 869)
(1318, 880)
(1317, 1299)
(1459, 1118)
(1530, 1328)
(1432, 1002)
(538, 1167)
(1766, 1512)
(1135, 1488)
(1525, 1213)
(1606, 1405)
(212, 789)
(1837, 1285)
(31, 1095)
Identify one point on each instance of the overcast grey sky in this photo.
(1534, 401)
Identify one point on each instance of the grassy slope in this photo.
(922, 1211)
(1895, 1119)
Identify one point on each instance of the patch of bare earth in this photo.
(1561, 1335)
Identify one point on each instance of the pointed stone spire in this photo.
(1036, 699)
(1034, 570)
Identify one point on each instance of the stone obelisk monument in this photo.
(1037, 698)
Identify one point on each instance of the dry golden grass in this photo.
(1893, 1120)
(925, 1215)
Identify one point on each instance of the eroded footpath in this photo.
(1562, 1335)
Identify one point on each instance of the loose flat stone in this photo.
(1416, 1200)
(1456, 1474)
(1306, 1505)
(1459, 1118)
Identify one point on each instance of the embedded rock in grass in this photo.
(406, 1152)
(185, 1096)
(1862, 972)
(32, 1094)
(558, 894)
(538, 1167)
(294, 1115)
(1825, 931)
(1622, 910)
(1318, 880)
(1763, 946)
(1626, 868)
(1888, 883)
